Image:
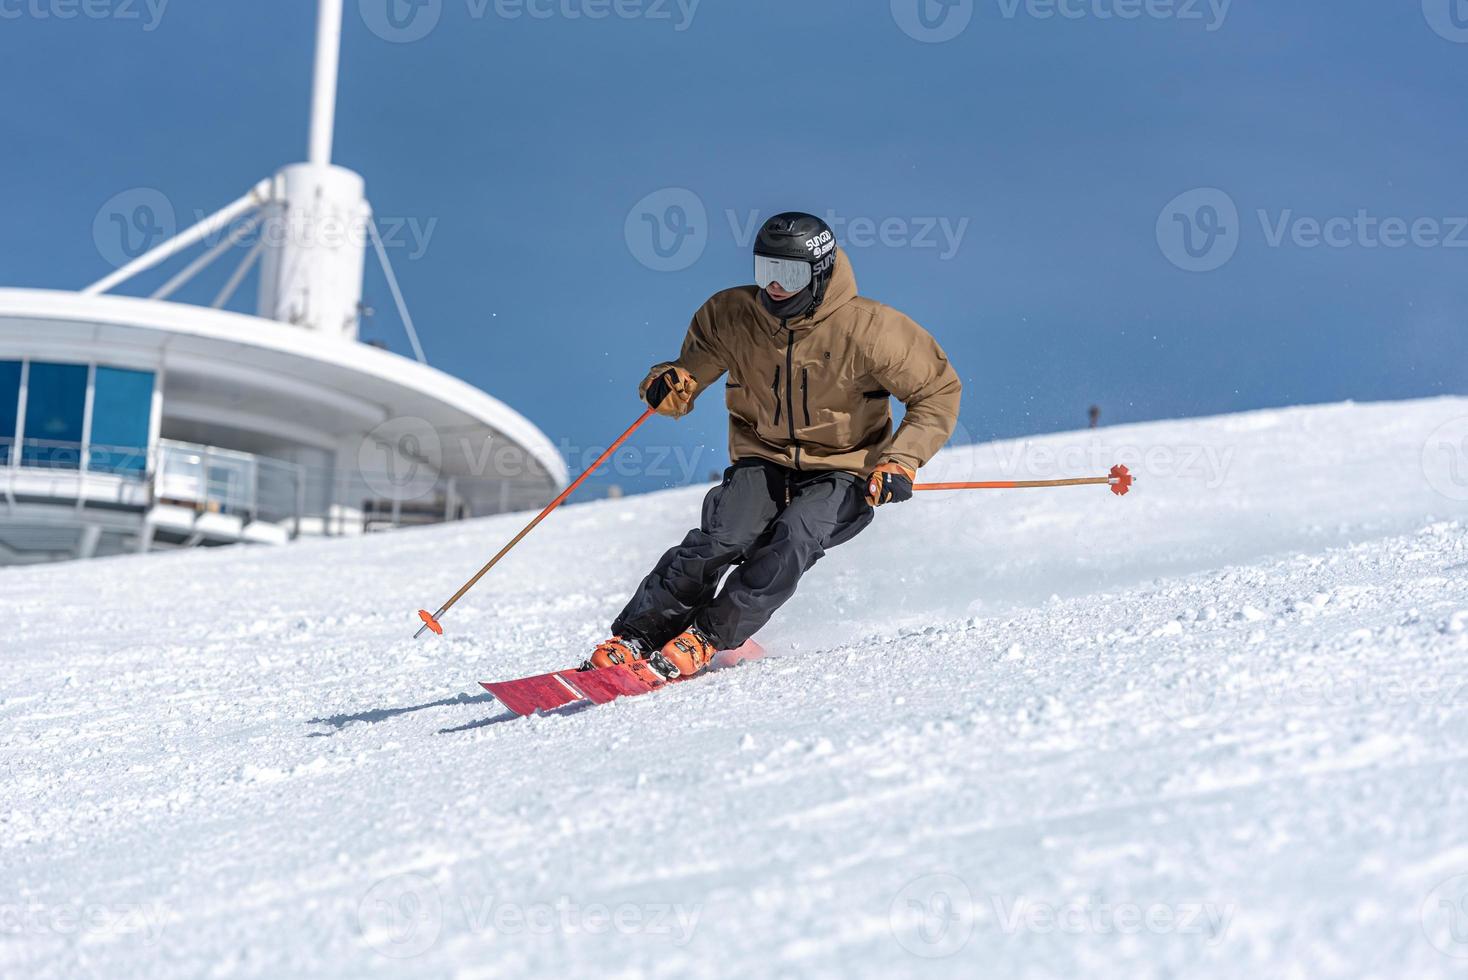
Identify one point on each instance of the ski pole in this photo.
(1120, 481)
(430, 620)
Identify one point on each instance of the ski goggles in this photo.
(793, 275)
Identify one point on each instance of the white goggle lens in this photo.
(793, 275)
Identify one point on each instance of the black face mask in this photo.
(796, 306)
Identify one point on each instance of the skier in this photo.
(811, 367)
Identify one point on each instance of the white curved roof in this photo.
(373, 373)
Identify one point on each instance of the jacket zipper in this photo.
(776, 389)
(790, 385)
(805, 394)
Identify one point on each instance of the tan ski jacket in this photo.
(813, 393)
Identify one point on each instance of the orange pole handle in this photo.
(430, 620)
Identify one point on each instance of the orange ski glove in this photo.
(669, 390)
(890, 483)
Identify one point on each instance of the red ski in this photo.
(546, 692)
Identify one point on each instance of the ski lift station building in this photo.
(128, 424)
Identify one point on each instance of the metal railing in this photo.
(227, 481)
(251, 487)
(129, 462)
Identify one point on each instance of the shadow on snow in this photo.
(338, 722)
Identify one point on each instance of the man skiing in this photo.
(811, 367)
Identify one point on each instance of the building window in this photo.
(121, 407)
(9, 407)
(55, 409)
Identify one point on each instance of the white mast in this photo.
(315, 228)
(313, 221)
(323, 90)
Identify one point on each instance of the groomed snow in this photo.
(1216, 728)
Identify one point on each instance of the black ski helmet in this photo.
(797, 235)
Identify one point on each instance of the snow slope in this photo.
(1216, 728)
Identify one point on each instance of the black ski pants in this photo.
(773, 523)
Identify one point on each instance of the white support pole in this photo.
(323, 91)
(301, 502)
(204, 261)
(154, 455)
(86, 546)
(84, 464)
(220, 219)
(20, 410)
(14, 457)
(251, 257)
(397, 294)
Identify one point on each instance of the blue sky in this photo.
(1048, 181)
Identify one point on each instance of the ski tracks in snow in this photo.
(1234, 741)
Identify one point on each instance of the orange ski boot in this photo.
(610, 653)
(687, 653)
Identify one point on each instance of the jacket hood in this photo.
(840, 291)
